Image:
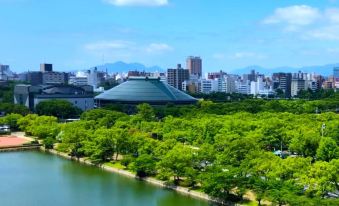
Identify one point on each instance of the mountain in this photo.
(325, 70)
(120, 66)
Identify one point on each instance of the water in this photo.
(37, 179)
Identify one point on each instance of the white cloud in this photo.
(308, 22)
(218, 56)
(332, 15)
(298, 15)
(244, 55)
(324, 33)
(125, 49)
(158, 48)
(137, 2)
(109, 45)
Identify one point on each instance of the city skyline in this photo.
(77, 35)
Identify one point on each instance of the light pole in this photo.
(323, 127)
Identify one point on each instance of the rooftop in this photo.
(145, 90)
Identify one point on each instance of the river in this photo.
(35, 178)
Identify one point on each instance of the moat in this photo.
(34, 178)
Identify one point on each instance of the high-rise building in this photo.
(252, 77)
(299, 82)
(46, 67)
(194, 66)
(175, 77)
(34, 78)
(5, 72)
(283, 81)
(336, 77)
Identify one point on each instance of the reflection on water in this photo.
(34, 178)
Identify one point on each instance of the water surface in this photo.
(37, 179)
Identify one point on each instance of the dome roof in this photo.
(145, 90)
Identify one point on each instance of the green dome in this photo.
(138, 90)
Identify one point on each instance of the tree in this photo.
(320, 179)
(219, 181)
(260, 187)
(177, 161)
(102, 147)
(11, 120)
(144, 165)
(328, 149)
(58, 108)
(146, 112)
(9, 108)
(49, 142)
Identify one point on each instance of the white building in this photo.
(243, 87)
(209, 86)
(78, 80)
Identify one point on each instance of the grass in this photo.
(116, 165)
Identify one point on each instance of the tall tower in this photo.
(194, 65)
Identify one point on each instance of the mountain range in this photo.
(120, 66)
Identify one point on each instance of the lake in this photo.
(35, 178)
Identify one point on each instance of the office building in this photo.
(194, 66)
(46, 67)
(175, 77)
(209, 86)
(54, 77)
(336, 77)
(283, 81)
(34, 78)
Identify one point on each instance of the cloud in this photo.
(126, 49)
(109, 45)
(298, 15)
(244, 55)
(309, 22)
(158, 48)
(324, 33)
(151, 3)
(218, 56)
(332, 15)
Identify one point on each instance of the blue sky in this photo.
(227, 34)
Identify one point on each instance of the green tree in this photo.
(49, 142)
(328, 149)
(11, 120)
(177, 161)
(144, 165)
(146, 112)
(58, 108)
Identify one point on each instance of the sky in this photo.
(226, 34)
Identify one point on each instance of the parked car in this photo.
(5, 129)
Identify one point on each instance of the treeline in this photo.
(308, 94)
(224, 156)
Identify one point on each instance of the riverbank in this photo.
(153, 181)
(19, 148)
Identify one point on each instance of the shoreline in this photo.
(150, 180)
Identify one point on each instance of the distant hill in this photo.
(323, 70)
(120, 66)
